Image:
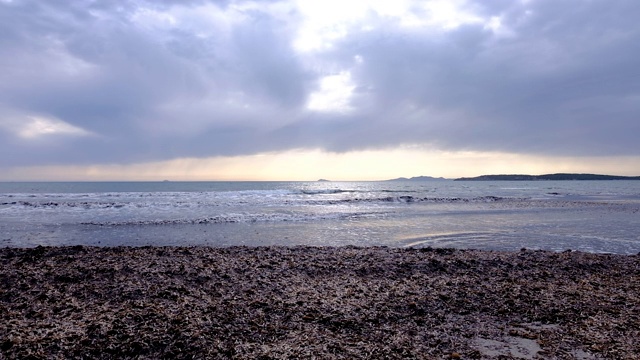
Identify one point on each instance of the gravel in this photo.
(316, 302)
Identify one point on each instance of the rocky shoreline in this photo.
(326, 303)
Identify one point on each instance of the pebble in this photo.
(315, 302)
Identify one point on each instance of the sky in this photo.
(304, 89)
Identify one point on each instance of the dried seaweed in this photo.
(306, 302)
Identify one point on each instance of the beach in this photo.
(316, 302)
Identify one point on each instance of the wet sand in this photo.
(327, 303)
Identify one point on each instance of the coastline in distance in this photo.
(560, 176)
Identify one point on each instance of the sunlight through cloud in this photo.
(328, 21)
(40, 126)
(334, 94)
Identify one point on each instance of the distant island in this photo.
(547, 177)
(323, 180)
(419, 178)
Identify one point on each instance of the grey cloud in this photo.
(267, 65)
(562, 79)
(555, 88)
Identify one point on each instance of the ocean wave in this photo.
(413, 199)
(175, 203)
(237, 218)
(326, 191)
(70, 204)
(352, 191)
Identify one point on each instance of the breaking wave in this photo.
(70, 204)
(237, 218)
(123, 204)
(414, 199)
(167, 203)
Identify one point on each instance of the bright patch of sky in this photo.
(325, 22)
(334, 93)
(37, 127)
(310, 165)
(497, 27)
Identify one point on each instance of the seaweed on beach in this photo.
(308, 302)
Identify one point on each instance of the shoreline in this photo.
(345, 302)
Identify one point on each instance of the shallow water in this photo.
(594, 216)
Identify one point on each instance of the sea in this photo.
(591, 216)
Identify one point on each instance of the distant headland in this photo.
(547, 177)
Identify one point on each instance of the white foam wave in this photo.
(239, 218)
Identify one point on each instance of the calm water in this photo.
(595, 216)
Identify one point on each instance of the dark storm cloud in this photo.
(132, 84)
(564, 83)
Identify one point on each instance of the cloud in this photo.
(39, 127)
(155, 81)
(334, 94)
